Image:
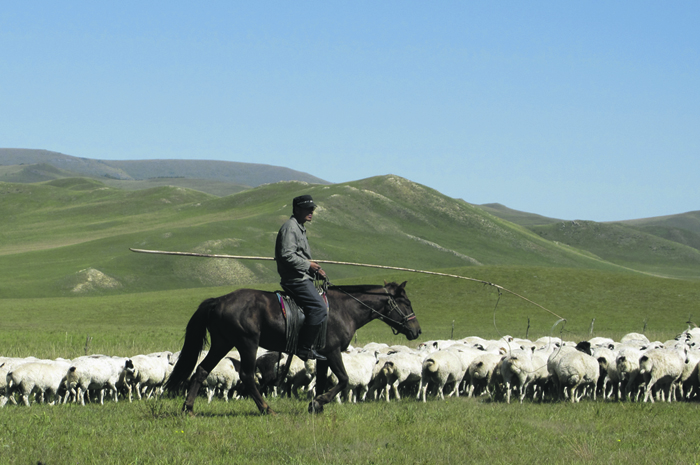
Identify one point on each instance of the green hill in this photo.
(627, 246)
(60, 234)
(515, 216)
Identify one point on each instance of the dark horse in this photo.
(247, 319)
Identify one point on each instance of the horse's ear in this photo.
(385, 283)
(403, 285)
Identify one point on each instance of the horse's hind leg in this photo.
(200, 375)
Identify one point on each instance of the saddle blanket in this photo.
(294, 318)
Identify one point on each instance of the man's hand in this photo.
(316, 268)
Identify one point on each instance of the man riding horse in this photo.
(297, 271)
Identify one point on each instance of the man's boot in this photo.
(307, 337)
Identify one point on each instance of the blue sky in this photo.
(573, 110)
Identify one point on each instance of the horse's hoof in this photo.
(268, 411)
(315, 407)
(187, 410)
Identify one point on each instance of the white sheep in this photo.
(359, 368)
(45, 378)
(7, 364)
(441, 368)
(466, 355)
(627, 363)
(575, 369)
(149, 373)
(481, 372)
(608, 370)
(96, 373)
(540, 375)
(400, 369)
(224, 377)
(634, 337)
(690, 379)
(299, 376)
(518, 370)
(662, 368)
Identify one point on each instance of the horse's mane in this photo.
(356, 288)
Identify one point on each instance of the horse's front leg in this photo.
(335, 362)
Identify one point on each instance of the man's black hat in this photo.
(303, 201)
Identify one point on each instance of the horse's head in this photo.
(398, 312)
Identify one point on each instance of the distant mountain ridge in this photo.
(245, 174)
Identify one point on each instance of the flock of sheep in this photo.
(546, 369)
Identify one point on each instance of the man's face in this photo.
(305, 215)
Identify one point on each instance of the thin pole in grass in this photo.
(366, 265)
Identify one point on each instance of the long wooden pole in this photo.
(333, 262)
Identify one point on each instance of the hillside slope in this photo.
(626, 246)
(516, 216)
(63, 233)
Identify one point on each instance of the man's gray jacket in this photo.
(292, 252)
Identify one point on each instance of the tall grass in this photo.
(406, 432)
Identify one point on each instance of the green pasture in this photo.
(458, 430)
(594, 303)
(455, 431)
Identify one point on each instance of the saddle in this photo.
(294, 318)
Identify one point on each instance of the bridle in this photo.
(394, 307)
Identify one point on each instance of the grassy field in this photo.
(620, 303)
(55, 234)
(455, 431)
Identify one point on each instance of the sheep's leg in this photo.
(396, 389)
(424, 391)
(649, 394)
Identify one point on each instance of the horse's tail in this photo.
(195, 339)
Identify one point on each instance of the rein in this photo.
(394, 307)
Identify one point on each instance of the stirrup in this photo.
(309, 354)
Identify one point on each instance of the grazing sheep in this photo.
(466, 355)
(627, 363)
(608, 372)
(96, 372)
(690, 379)
(300, 375)
(7, 364)
(223, 378)
(400, 369)
(149, 373)
(571, 367)
(359, 368)
(517, 370)
(577, 369)
(481, 373)
(441, 368)
(540, 374)
(662, 368)
(45, 378)
(601, 342)
(634, 337)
